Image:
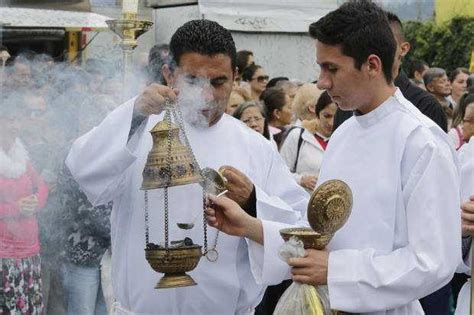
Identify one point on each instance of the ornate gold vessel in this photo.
(308, 236)
(182, 168)
(328, 209)
(174, 263)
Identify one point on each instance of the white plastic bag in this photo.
(301, 299)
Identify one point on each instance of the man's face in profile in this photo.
(440, 86)
(346, 84)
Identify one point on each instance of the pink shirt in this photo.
(18, 233)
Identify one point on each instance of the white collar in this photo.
(383, 110)
(13, 163)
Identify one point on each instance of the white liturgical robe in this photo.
(466, 159)
(402, 239)
(108, 167)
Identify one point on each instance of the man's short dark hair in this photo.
(393, 19)
(416, 66)
(204, 37)
(361, 28)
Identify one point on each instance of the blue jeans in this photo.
(83, 288)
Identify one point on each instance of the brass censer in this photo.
(328, 210)
(171, 163)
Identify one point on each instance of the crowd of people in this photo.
(52, 239)
(66, 186)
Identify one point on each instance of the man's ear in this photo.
(374, 65)
(312, 109)
(405, 47)
(167, 75)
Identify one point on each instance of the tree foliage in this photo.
(446, 45)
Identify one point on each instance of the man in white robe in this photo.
(108, 162)
(402, 239)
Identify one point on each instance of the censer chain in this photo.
(168, 175)
(204, 218)
(166, 217)
(147, 228)
(178, 116)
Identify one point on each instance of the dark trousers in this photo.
(271, 297)
(437, 303)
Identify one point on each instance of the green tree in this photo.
(447, 45)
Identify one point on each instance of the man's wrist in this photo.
(254, 230)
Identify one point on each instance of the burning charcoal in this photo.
(188, 241)
(152, 246)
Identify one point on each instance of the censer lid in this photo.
(164, 126)
(329, 206)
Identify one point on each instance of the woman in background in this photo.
(238, 96)
(251, 114)
(303, 150)
(458, 79)
(277, 107)
(22, 194)
(257, 78)
(304, 106)
(245, 58)
(456, 132)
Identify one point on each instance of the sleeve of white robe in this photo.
(280, 203)
(279, 198)
(99, 159)
(361, 281)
